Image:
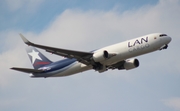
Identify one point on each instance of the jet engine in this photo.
(100, 56)
(131, 63)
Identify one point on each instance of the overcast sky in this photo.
(88, 25)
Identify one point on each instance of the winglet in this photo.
(25, 40)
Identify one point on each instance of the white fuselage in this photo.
(124, 50)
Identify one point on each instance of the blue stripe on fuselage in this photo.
(60, 64)
(55, 67)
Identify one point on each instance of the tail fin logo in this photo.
(34, 55)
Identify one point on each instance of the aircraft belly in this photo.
(75, 68)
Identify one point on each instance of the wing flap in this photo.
(27, 70)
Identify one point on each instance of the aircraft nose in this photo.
(169, 39)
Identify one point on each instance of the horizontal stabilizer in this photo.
(26, 70)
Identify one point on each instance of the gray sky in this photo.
(89, 25)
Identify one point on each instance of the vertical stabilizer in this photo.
(37, 58)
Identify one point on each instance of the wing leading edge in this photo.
(83, 57)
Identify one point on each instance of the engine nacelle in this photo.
(100, 56)
(131, 63)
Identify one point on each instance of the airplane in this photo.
(117, 56)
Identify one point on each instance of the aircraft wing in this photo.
(27, 70)
(83, 57)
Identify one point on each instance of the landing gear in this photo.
(164, 47)
(99, 67)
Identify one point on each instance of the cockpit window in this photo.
(162, 35)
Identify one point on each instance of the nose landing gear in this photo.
(164, 47)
